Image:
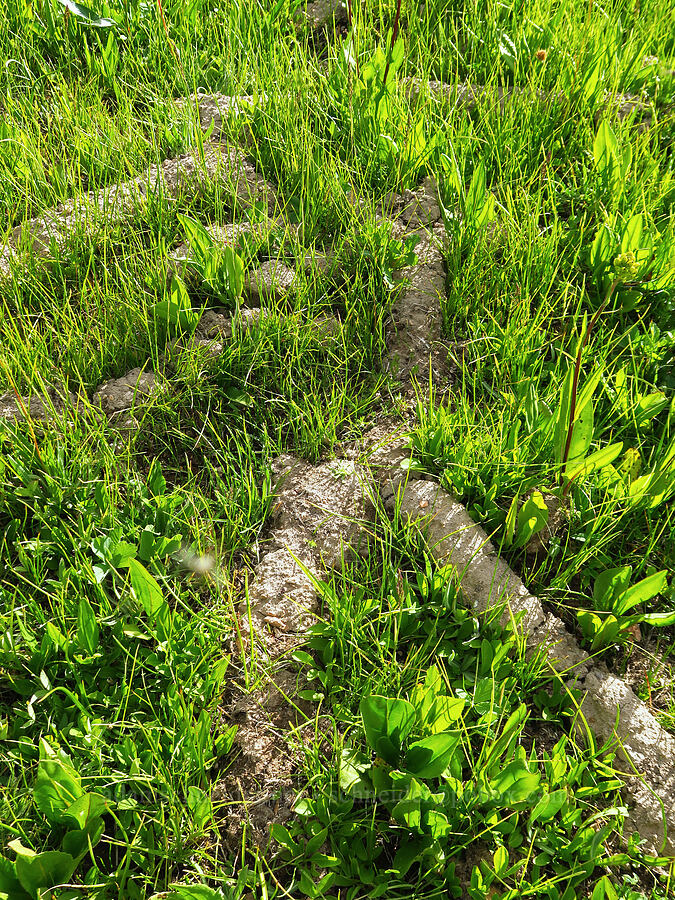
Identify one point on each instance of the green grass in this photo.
(119, 657)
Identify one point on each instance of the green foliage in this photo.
(444, 764)
(220, 267)
(121, 579)
(69, 670)
(59, 795)
(465, 212)
(177, 311)
(627, 252)
(614, 602)
(370, 117)
(522, 524)
(612, 163)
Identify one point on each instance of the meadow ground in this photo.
(440, 227)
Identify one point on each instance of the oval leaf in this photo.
(86, 15)
(387, 722)
(430, 757)
(146, 588)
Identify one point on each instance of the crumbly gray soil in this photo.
(123, 395)
(414, 336)
(272, 280)
(318, 518)
(38, 406)
(257, 786)
(322, 14)
(468, 96)
(174, 177)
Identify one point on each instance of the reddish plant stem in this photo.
(172, 46)
(350, 17)
(394, 35)
(22, 407)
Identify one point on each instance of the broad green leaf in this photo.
(445, 712)
(86, 15)
(430, 757)
(397, 56)
(549, 806)
(609, 585)
(487, 213)
(387, 721)
(668, 458)
(620, 380)
(611, 163)
(79, 842)
(661, 487)
(178, 309)
(435, 823)
(475, 197)
(604, 890)
(650, 405)
(607, 633)
(57, 786)
(315, 842)
(590, 623)
(585, 394)
(424, 695)
(189, 892)
(665, 280)
(10, 887)
(146, 589)
(632, 234)
(409, 810)
(409, 852)
(234, 266)
(282, 836)
(56, 637)
(156, 481)
(200, 240)
(501, 860)
(86, 809)
(387, 148)
(167, 313)
(239, 397)
(597, 460)
(532, 517)
(659, 619)
(451, 172)
(515, 783)
(380, 775)
(582, 435)
(87, 626)
(642, 592)
(602, 248)
(131, 631)
(511, 727)
(591, 81)
(563, 415)
(510, 524)
(199, 805)
(39, 871)
(605, 149)
(640, 487)
(121, 553)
